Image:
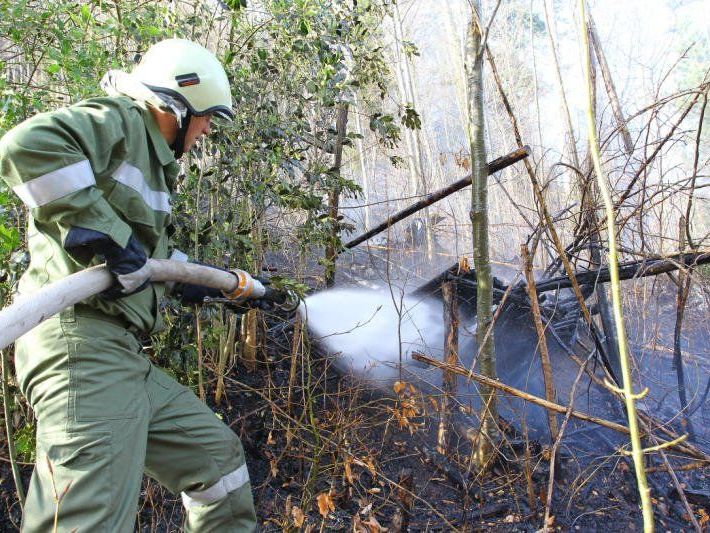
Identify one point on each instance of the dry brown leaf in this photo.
(464, 266)
(398, 387)
(358, 526)
(348, 469)
(373, 525)
(704, 517)
(274, 467)
(298, 516)
(546, 453)
(270, 439)
(366, 510)
(325, 504)
(368, 463)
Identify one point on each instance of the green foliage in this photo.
(62, 49)
(26, 443)
(9, 235)
(236, 5)
(411, 119)
(410, 49)
(288, 284)
(388, 132)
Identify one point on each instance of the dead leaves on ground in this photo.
(371, 525)
(325, 504)
(298, 516)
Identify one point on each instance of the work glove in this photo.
(191, 294)
(128, 265)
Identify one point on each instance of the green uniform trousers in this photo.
(105, 415)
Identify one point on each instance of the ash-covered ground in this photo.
(330, 451)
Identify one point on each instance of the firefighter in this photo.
(97, 178)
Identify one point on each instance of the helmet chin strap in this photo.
(178, 146)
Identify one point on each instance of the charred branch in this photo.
(629, 270)
(494, 166)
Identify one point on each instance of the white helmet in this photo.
(189, 72)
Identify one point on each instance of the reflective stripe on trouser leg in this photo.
(229, 483)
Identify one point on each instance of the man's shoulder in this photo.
(101, 109)
(105, 118)
(120, 105)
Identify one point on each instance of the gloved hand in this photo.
(190, 294)
(129, 265)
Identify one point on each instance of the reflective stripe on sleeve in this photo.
(132, 177)
(229, 483)
(56, 184)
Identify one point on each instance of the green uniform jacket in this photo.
(100, 164)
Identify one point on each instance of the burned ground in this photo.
(355, 446)
(327, 452)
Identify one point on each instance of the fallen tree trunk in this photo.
(493, 167)
(29, 310)
(628, 270)
(586, 279)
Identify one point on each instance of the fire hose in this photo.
(29, 310)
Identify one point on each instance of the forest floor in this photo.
(326, 453)
(339, 457)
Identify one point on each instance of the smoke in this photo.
(370, 332)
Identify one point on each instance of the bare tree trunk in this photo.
(610, 87)
(684, 281)
(364, 178)
(332, 248)
(451, 357)
(408, 95)
(541, 339)
(569, 137)
(479, 220)
(588, 207)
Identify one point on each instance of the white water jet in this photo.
(369, 332)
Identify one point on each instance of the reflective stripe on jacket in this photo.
(100, 164)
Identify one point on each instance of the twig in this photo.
(8, 430)
(685, 279)
(682, 446)
(683, 468)
(451, 355)
(556, 445)
(198, 333)
(335, 445)
(518, 393)
(541, 339)
(296, 346)
(629, 398)
(676, 484)
(493, 167)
